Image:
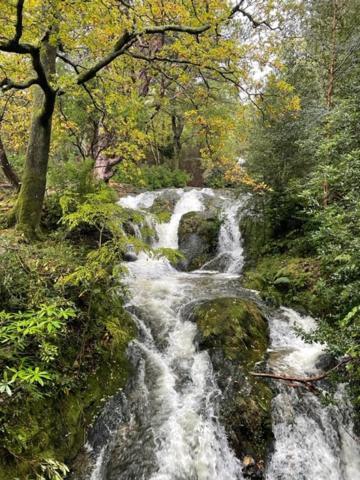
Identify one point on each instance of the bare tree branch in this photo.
(128, 39)
(237, 9)
(9, 172)
(7, 84)
(303, 381)
(19, 21)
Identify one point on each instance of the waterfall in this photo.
(312, 441)
(230, 242)
(173, 431)
(190, 201)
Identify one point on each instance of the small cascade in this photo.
(190, 201)
(171, 429)
(230, 242)
(312, 441)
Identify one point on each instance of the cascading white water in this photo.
(230, 241)
(312, 441)
(180, 394)
(190, 201)
(174, 433)
(189, 441)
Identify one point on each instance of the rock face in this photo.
(164, 205)
(198, 238)
(235, 333)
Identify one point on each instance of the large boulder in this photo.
(198, 238)
(235, 333)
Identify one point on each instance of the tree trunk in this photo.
(28, 208)
(104, 167)
(333, 58)
(331, 84)
(177, 123)
(103, 163)
(9, 173)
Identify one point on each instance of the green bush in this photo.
(151, 177)
(74, 175)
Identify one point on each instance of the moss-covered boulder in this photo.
(235, 333)
(164, 205)
(256, 235)
(198, 238)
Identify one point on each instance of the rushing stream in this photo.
(170, 429)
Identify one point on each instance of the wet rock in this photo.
(251, 469)
(130, 255)
(165, 202)
(326, 361)
(198, 238)
(235, 333)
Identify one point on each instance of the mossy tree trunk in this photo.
(28, 208)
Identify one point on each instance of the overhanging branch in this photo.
(128, 39)
(7, 84)
(19, 21)
(255, 23)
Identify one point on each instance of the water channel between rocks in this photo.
(167, 427)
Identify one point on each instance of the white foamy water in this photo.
(174, 433)
(189, 441)
(190, 201)
(230, 241)
(312, 441)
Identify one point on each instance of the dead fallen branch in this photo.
(306, 382)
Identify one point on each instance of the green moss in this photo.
(50, 421)
(236, 326)
(236, 330)
(255, 234)
(55, 426)
(162, 209)
(198, 238)
(202, 225)
(288, 280)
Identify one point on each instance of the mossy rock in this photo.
(235, 332)
(289, 280)
(198, 238)
(255, 235)
(163, 206)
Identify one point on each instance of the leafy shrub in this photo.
(151, 177)
(74, 176)
(30, 338)
(49, 469)
(96, 210)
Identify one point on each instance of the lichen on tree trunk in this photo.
(27, 211)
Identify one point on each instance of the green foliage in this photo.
(151, 177)
(29, 342)
(173, 255)
(311, 161)
(284, 279)
(215, 178)
(62, 324)
(96, 210)
(74, 175)
(49, 469)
